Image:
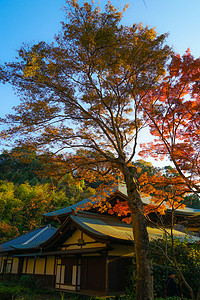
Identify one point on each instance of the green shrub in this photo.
(27, 281)
(8, 292)
(188, 258)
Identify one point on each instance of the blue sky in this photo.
(32, 21)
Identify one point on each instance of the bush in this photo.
(188, 258)
(27, 281)
(8, 292)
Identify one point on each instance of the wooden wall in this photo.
(117, 273)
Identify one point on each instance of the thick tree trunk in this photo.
(144, 287)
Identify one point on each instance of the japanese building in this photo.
(89, 253)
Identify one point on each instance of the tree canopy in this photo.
(173, 112)
(90, 77)
(22, 205)
(83, 92)
(21, 165)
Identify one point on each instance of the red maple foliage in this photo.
(172, 110)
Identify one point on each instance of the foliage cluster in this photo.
(24, 201)
(165, 187)
(27, 287)
(188, 259)
(21, 165)
(172, 112)
(10, 291)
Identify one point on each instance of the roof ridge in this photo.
(86, 214)
(22, 235)
(36, 235)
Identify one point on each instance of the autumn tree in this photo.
(168, 191)
(7, 232)
(83, 92)
(173, 112)
(165, 190)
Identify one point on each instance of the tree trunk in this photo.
(198, 295)
(144, 286)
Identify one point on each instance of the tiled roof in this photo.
(67, 210)
(104, 226)
(30, 240)
(121, 188)
(97, 225)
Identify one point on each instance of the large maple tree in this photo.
(83, 92)
(173, 112)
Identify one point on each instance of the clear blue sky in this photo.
(34, 20)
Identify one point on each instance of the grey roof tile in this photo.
(109, 227)
(30, 240)
(69, 209)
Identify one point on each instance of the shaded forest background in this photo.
(27, 192)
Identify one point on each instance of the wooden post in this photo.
(34, 265)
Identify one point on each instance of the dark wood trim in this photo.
(34, 264)
(82, 238)
(117, 194)
(78, 244)
(66, 230)
(54, 270)
(4, 263)
(26, 265)
(7, 262)
(77, 251)
(60, 272)
(20, 265)
(11, 265)
(67, 285)
(106, 275)
(76, 272)
(45, 265)
(78, 269)
(1, 265)
(56, 265)
(26, 254)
